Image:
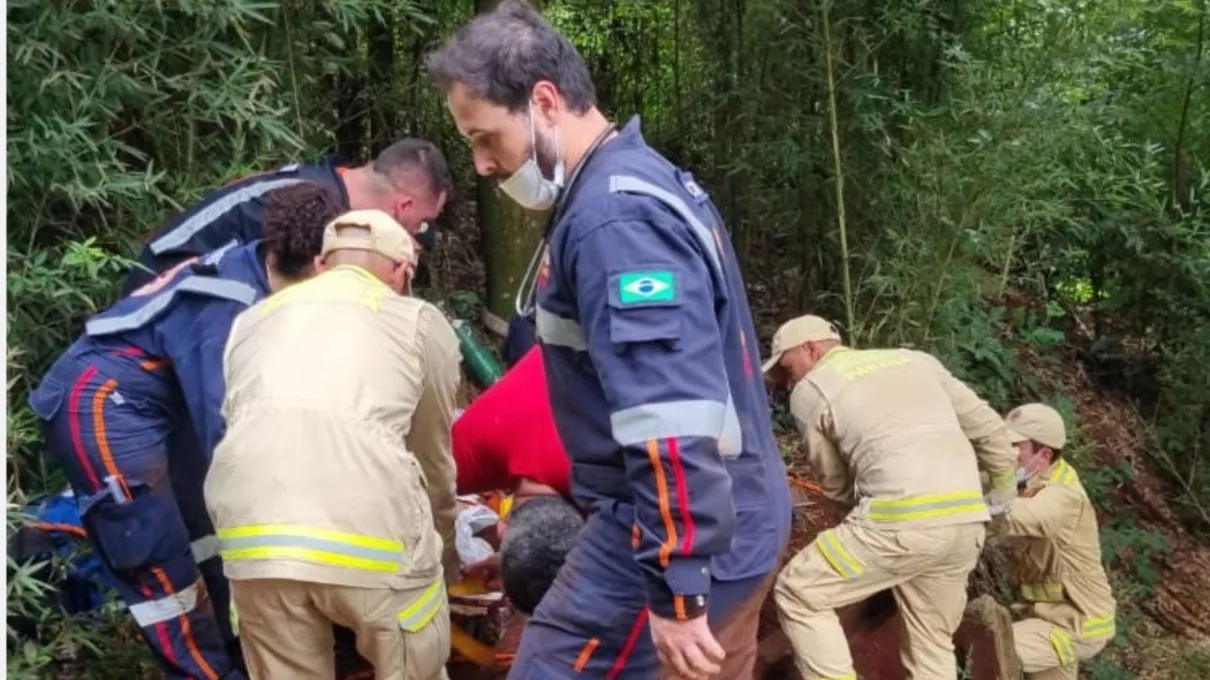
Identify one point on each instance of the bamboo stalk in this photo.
(839, 172)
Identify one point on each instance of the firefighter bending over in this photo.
(333, 491)
(890, 432)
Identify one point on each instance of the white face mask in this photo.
(1023, 475)
(527, 186)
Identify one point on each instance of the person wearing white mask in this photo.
(1055, 553)
(655, 387)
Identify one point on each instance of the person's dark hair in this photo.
(293, 224)
(501, 54)
(539, 535)
(413, 155)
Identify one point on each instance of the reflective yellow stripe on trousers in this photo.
(1061, 641)
(310, 544)
(835, 553)
(418, 614)
(1094, 628)
(925, 507)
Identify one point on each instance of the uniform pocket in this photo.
(754, 545)
(146, 531)
(46, 399)
(426, 650)
(644, 306)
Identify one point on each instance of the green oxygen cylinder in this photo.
(483, 367)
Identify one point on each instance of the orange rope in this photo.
(56, 526)
(805, 484)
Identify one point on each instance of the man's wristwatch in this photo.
(689, 606)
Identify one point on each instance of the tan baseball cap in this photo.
(386, 236)
(1037, 422)
(809, 328)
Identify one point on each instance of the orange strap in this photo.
(57, 526)
(805, 484)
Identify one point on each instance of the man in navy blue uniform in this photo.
(648, 341)
(132, 413)
(409, 180)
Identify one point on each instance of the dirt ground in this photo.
(1175, 618)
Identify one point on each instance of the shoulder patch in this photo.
(646, 286)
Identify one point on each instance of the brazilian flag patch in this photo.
(651, 286)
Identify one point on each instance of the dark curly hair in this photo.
(293, 225)
(540, 533)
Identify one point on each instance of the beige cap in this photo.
(1039, 423)
(386, 236)
(809, 328)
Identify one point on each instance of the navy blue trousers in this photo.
(138, 483)
(592, 623)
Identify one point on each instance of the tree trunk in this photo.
(509, 234)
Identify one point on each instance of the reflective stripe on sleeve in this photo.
(166, 608)
(1004, 479)
(180, 235)
(1042, 592)
(1098, 627)
(204, 548)
(634, 185)
(683, 418)
(560, 331)
(311, 544)
(418, 614)
(226, 289)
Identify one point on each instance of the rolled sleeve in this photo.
(646, 304)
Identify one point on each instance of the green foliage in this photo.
(1101, 668)
(1194, 664)
(1024, 183)
(120, 114)
(1136, 549)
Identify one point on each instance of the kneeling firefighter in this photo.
(1056, 562)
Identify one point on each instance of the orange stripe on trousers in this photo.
(186, 629)
(98, 423)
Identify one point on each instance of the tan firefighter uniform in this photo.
(1055, 558)
(890, 432)
(332, 492)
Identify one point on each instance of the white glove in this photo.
(998, 504)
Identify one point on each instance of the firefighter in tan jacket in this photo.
(1054, 553)
(897, 438)
(333, 490)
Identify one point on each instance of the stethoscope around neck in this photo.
(525, 303)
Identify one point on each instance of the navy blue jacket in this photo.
(184, 317)
(654, 373)
(233, 212)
